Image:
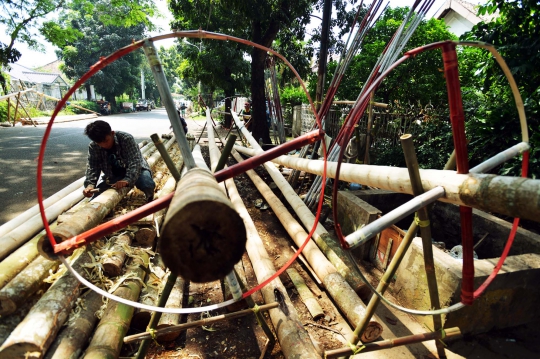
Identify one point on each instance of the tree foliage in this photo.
(493, 124)
(99, 40)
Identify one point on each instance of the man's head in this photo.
(101, 133)
(247, 105)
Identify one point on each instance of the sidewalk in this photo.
(45, 120)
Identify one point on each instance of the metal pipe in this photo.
(365, 233)
(501, 157)
(166, 97)
(165, 155)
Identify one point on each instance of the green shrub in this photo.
(83, 103)
(3, 111)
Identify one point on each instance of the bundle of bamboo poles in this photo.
(25, 273)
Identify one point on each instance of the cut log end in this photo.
(20, 350)
(203, 236)
(372, 332)
(203, 242)
(46, 249)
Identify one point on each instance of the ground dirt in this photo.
(244, 338)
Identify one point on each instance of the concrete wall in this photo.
(512, 299)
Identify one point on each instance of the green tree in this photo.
(493, 121)
(259, 21)
(101, 40)
(419, 79)
(25, 19)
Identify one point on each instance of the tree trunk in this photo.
(88, 91)
(228, 117)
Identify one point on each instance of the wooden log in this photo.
(109, 335)
(342, 293)
(512, 196)
(39, 328)
(20, 235)
(112, 265)
(87, 216)
(72, 339)
(168, 320)
(305, 294)
(145, 237)
(293, 338)
(202, 236)
(9, 323)
(25, 284)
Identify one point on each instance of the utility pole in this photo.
(142, 84)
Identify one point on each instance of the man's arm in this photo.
(93, 171)
(133, 158)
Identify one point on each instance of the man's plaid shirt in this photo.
(125, 149)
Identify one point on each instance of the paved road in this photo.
(65, 157)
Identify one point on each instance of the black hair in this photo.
(97, 130)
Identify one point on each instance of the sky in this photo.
(31, 58)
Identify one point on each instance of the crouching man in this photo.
(116, 154)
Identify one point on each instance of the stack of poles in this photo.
(337, 287)
(274, 104)
(387, 58)
(53, 308)
(346, 57)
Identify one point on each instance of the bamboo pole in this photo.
(512, 196)
(88, 216)
(112, 266)
(39, 328)
(16, 109)
(16, 237)
(425, 231)
(19, 259)
(342, 293)
(25, 284)
(169, 320)
(8, 96)
(307, 297)
(57, 99)
(293, 338)
(72, 339)
(109, 335)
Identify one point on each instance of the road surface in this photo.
(65, 156)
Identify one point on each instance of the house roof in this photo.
(464, 8)
(20, 72)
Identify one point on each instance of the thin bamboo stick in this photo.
(391, 343)
(425, 231)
